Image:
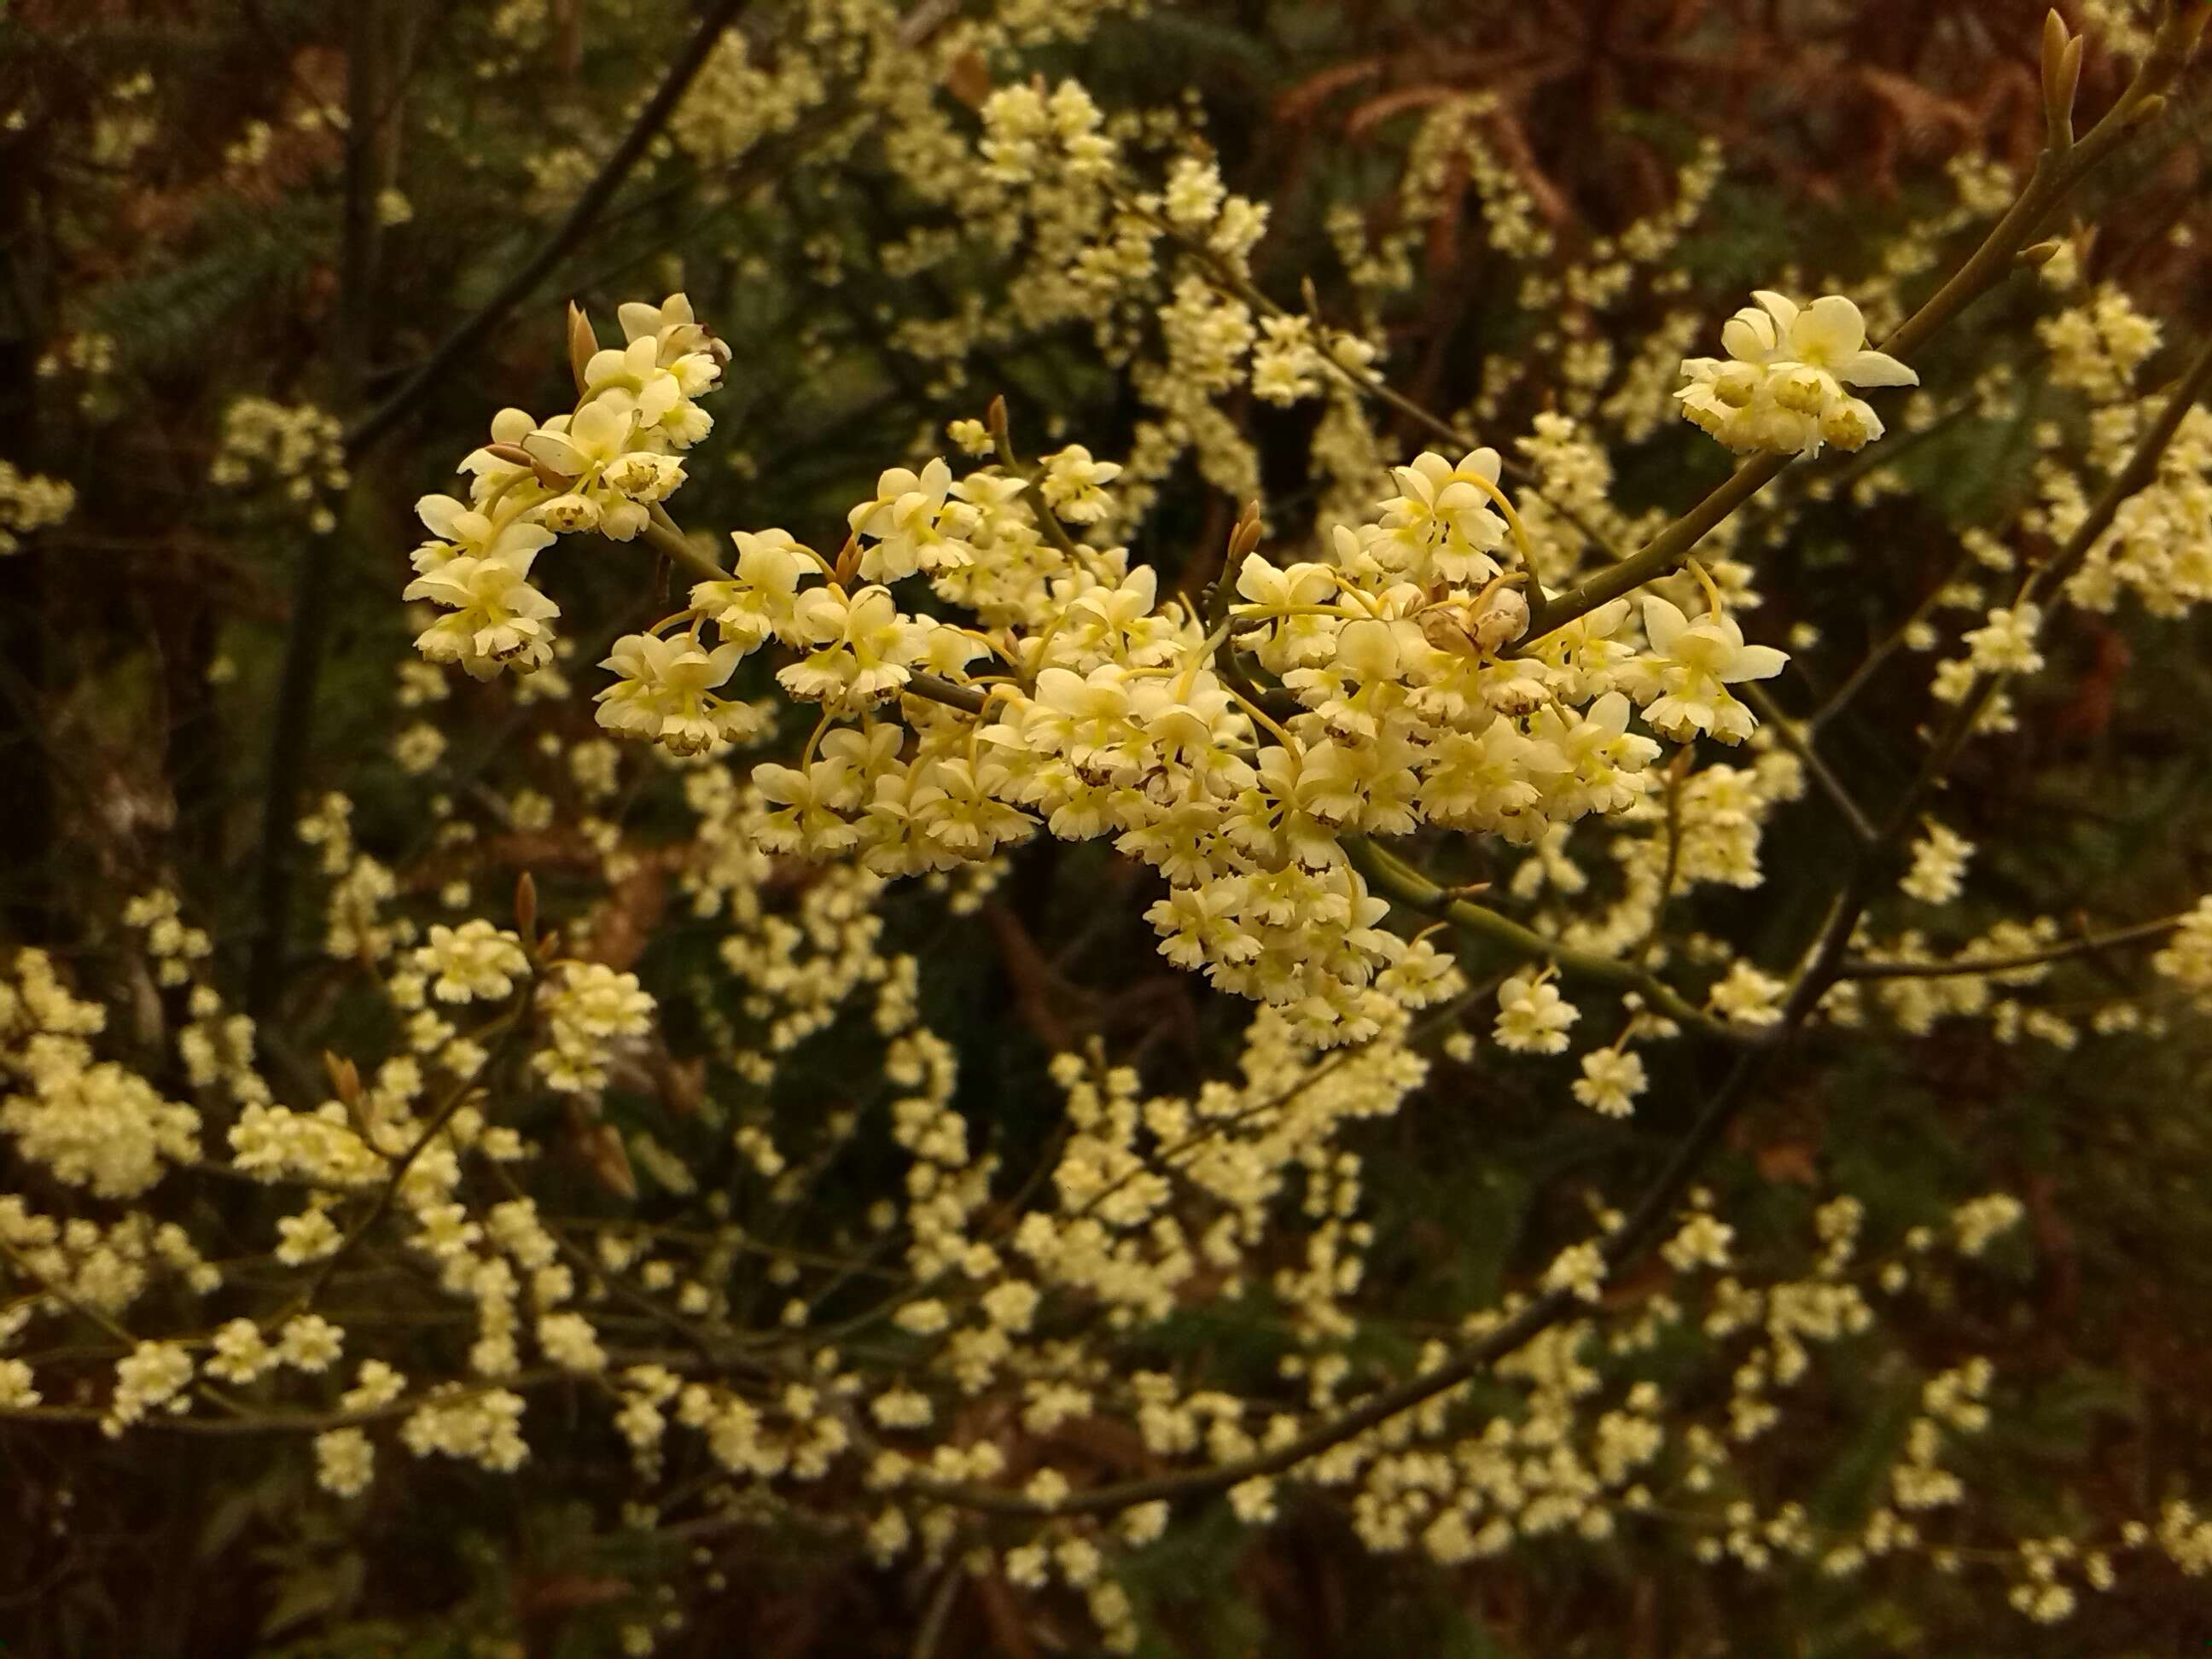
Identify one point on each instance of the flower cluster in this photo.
(600, 468)
(90, 1123)
(29, 503)
(590, 1011)
(299, 447)
(1783, 384)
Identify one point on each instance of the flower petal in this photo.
(559, 455)
(1875, 369)
(1828, 331)
(1754, 662)
(1663, 624)
(603, 366)
(438, 514)
(1747, 336)
(1780, 306)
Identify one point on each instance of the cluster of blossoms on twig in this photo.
(1783, 384)
(1406, 698)
(599, 469)
(299, 447)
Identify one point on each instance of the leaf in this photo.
(263, 1498)
(227, 1522)
(314, 1594)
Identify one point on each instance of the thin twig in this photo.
(1799, 742)
(1677, 772)
(940, 1610)
(463, 1090)
(574, 227)
(1409, 886)
(2142, 933)
(1887, 647)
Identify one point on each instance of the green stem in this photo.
(1799, 742)
(1394, 876)
(2142, 933)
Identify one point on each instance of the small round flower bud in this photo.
(1449, 628)
(1502, 619)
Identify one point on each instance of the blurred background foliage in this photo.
(160, 262)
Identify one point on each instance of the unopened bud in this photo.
(525, 905)
(1244, 539)
(683, 1085)
(1450, 629)
(345, 1077)
(583, 344)
(516, 455)
(2055, 40)
(1504, 618)
(2055, 35)
(2041, 253)
(2062, 77)
(609, 1159)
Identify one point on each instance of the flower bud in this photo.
(515, 455)
(1504, 618)
(525, 905)
(605, 1155)
(345, 1077)
(1448, 628)
(583, 344)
